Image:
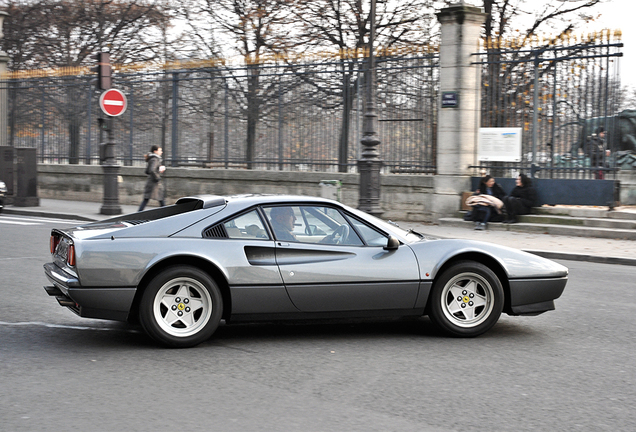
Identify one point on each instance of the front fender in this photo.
(433, 254)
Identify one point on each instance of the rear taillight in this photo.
(55, 240)
(71, 255)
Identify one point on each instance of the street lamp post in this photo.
(110, 167)
(369, 163)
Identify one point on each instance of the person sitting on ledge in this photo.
(521, 199)
(487, 202)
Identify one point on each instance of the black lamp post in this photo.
(110, 167)
(369, 163)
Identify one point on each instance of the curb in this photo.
(582, 257)
(598, 232)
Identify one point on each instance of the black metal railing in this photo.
(274, 116)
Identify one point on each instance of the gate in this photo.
(559, 91)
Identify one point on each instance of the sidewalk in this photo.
(611, 251)
(600, 250)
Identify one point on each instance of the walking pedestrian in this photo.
(597, 152)
(154, 186)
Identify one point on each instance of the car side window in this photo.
(246, 226)
(311, 224)
(371, 236)
(285, 222)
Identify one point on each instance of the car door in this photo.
(246, 251)
(352, 275)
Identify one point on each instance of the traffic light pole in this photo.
(110, 205)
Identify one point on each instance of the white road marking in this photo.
(61, 326)
(19, 258)
(33, 219)
(15, 222)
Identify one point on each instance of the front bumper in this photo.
(90, 302)
(535, 296)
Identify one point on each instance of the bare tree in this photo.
(251, 29)
(515, 24)
(62, 33)
(343, 26)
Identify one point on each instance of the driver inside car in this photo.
(283, 219)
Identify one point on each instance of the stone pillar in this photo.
(459, 109)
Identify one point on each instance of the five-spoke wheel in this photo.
(467, 299)
(181, 307)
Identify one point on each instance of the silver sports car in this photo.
(179, 270)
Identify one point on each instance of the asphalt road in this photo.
(570, 369)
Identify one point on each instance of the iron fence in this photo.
(275, 115)
(285, 115)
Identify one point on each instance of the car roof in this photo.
(248, 200)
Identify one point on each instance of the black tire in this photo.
(181, 307)
(466, 300)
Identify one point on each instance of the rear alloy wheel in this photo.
(467, 299)
(181, 307)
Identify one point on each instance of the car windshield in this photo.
(410, 235)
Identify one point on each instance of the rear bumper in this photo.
(101, 302)
(535, 296)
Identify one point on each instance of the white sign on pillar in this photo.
(499, 144)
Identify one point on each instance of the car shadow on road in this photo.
(421, 327)
(331, 328)
(123, 335)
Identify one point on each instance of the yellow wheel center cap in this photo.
(181, 306)
(466, 299)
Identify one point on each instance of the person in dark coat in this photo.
(521, 200)
(482, 214)
(595, 150)
(154, 186)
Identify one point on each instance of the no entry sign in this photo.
(113, 102)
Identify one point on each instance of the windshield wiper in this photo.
(410, 231)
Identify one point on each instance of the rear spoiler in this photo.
(183, 205)
(203, 201)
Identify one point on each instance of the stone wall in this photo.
(403, 197)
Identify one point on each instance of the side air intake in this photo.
(216, 231)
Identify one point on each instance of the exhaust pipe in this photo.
(65, 301)
(61, 298)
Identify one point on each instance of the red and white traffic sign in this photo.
(113, 102)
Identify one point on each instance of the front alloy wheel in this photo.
(467, 299)
(181, 307)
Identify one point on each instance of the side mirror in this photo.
(392, 243)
